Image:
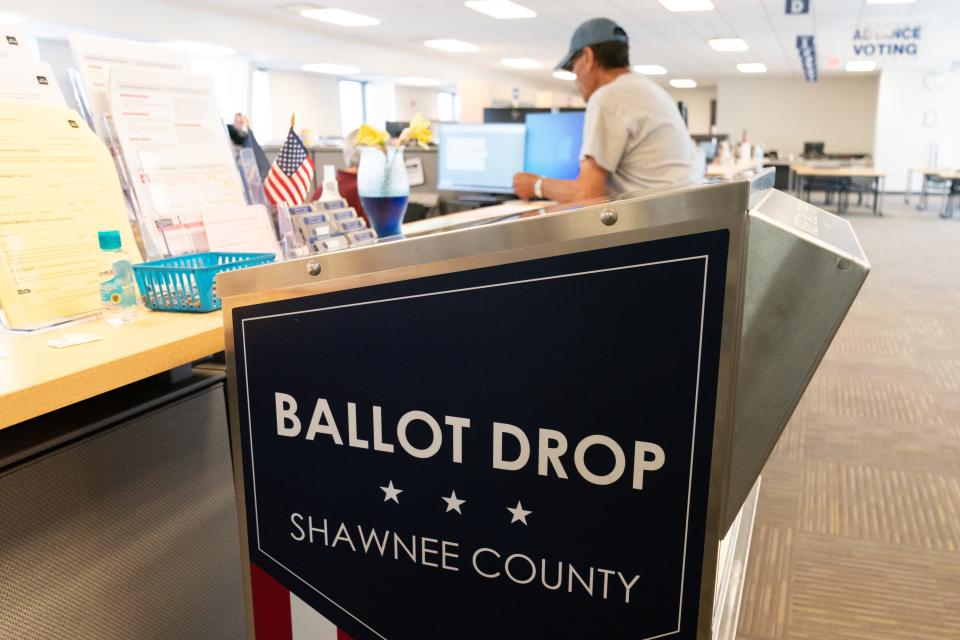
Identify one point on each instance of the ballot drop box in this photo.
(545, 427)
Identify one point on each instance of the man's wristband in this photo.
(538, 188)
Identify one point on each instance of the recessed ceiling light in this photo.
(197, 48)
(728, 44)
(679, 6)
(859, 66)
(452, 46)
(332, 69)
(521, 63)
(560, 74)
(752, 67)
(340, 17)
(501, 9)
(650, 69)
(891, 1)
(683, 83)
(418, 81)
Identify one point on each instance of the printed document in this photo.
(59, 189)
(29, 81)
(174, 144)
(13, 46)
(95, 57)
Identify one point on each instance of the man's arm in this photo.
(591, 183)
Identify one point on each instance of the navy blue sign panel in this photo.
(519, 451)
(798, 7)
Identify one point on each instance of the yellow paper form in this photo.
(58, 188)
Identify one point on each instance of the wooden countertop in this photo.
(36, 378)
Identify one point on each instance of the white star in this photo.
(453, 503)
(519, 514)
(390, 492)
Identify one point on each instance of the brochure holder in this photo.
(560, 418)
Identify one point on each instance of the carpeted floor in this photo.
(857, 534)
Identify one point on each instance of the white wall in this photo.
(782, 113)
(475, 95)
(698, 106)
(313, 97)
(903, 140)
(231, 81)
(413, 100)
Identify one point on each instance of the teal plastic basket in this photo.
(186, 283)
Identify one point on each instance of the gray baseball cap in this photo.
(589, 33)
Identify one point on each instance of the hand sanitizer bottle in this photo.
(116, 281)
(331, 192)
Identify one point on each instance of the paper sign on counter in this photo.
(59, 189)
(245, 229)
(73, 339)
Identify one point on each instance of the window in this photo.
(379, 103)
(260, 117)
(448, 106)
(352, 112)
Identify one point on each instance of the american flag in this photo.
(278, 614)
(291, 175)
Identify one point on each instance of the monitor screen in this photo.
(709, 149)
(553, 144)
(510, 114)
(396, 128)
(479, 157)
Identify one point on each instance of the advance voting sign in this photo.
(519, 451)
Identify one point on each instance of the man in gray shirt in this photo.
(633, 136)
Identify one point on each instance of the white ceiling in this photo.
(675, 40)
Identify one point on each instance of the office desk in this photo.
(954, 178)
(931, 175)
(804, 172)
(36, 378)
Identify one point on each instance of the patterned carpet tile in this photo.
(872, 399)
(858, 524)
(944, 373)
(766, 601)
(919, 510)
(897, 445)
(845, 589)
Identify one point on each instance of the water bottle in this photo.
(116, 280)
(331, 191)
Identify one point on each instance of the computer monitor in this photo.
(553, 144)
(396, 128)
(709, 149)
(813, 149)
(479, 157)
(492, 115)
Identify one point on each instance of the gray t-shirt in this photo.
(633, 129)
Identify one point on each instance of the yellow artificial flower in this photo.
(418, 130)
(371, 136)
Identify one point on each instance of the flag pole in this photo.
(293, 120)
